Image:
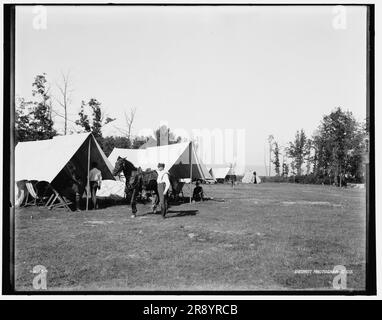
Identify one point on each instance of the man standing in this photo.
(76, 185)
(95, 179)
(163, 182)
(254, 177)
(76, 188)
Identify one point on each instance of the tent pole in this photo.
(190, 171)
(88, 181)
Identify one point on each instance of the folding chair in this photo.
(33, 197)
(57, 201)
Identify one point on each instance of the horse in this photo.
(133, 181)
(138, 181)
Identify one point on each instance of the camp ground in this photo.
(137, 132)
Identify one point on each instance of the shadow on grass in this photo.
(181, 213)
(178, 213)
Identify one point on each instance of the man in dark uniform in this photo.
(198, 194)
(77, 186)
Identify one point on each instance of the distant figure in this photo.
(198, 194)
(95, 178)
(233, 180)
(254, 177)
(163, 182)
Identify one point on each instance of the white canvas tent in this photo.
(249, 178)
(180, 159)
(46, 160)
(220, 173)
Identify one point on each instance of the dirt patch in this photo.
(98, 222)
(311, 203)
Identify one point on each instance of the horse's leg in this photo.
(133, 203)
(128, 192)
(156, 201)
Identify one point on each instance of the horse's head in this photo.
(118, 167)
(124, 165)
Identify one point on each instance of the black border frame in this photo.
(8, 129)
(8, 158)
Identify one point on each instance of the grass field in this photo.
(253, 240)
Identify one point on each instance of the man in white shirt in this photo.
(163, 182)
(95, 178)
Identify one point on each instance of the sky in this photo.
(262, 70)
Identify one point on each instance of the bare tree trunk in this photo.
(270, 140)
(65, 100)
(129, 122)
(66, 119)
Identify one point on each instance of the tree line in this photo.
(333, 155)
(34, 120)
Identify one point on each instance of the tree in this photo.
(276, 157)
(109, 143)
(65, 100)
(84, 121)
(293, 167)
(129, 121)
(319, 164)
(297, 151)
(108, 120)
(97, 118)
(285, 168)
(94, 124)
(339, 145)
(34, 118)
(270, 141)
(308, 156)
(129, 118)
(137, 142)
(22, 118)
